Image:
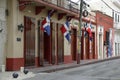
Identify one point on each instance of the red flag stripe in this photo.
(63, 30)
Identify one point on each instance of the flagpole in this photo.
(80, 32)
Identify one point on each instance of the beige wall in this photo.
(3, 34)
(16, 17)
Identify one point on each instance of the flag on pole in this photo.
(85, 26)
(46, 25)
(89, 30)
(110, 45)
(65, 30)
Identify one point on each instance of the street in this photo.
(108, 70)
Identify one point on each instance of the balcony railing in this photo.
(66, 4)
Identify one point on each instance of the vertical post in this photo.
(79, 32)
(3, 68)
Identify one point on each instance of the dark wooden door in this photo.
(87, 46)
(29, 41)
(93, 46)
(53, 29)
(60, 45)
(74, 44)
(40, 44)
(46, 46)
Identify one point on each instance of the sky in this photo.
(85, 0)
(74, 0)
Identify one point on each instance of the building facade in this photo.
(110, 8)
(28, 45)
(89, 46)
(104, 41)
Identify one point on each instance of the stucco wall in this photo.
(16, 17)
(3, 33)
(106, 22)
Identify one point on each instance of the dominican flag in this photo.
(89, 30)
(110, 45)
(46, 25)
(65, 30)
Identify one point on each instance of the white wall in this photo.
(101, 6)
(3, 34)
(100, 34)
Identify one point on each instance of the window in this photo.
(118, 18)
(117, 49)
(115, 17)
(113, 14)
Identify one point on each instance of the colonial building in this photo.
(105, 35)
(112, 9)
(28, 45)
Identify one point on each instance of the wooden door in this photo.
(40, 44)
(47, 48)
(53, 29)
(74, 44)
(29, 41)
(60, 45)
(87, 46)
(46, 45)
(93, 46)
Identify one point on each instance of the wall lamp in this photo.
(1, 30)
(20, 27)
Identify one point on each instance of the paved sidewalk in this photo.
(53, 68)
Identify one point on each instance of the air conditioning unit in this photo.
(117, 3)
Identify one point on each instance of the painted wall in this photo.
(114, 4)
(3, 33)
(15, 49)
(103, 7)
(105, 22)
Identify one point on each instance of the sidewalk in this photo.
(21, 76)
(32, 72)
(53, 68)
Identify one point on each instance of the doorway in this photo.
(50, 48)
(87, 48)
(92, 47)
(100, 47)
(44, 46)
(74, 44)
(29, 41)
(60, 45)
